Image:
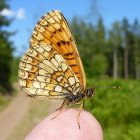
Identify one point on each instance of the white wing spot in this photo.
(31, 90)
(45, 92)
(58, 58)
(58, 88)
(64, 66)
(39, 49)
(71, 80)
(45, 67)
(22, 82)
(47, 48)
(59, 78)
(54, 62)
(50, 64)
(36, 84)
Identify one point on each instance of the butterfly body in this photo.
(71, 98)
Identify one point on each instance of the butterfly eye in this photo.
(90, 92)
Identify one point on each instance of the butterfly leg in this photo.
(60, 109)
(81, 108)
(83, 104)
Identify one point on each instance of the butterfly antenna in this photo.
(113, 87)
(97, 81)
(105, 77)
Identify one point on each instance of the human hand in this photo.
(65, 127)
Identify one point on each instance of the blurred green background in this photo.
(112, 50)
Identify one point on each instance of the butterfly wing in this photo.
(53, 30)
(43, 72)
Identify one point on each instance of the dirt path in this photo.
(13, 114)
(17, 110)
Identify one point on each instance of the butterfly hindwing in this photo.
(44, 72)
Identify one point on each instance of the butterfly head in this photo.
(90, 92)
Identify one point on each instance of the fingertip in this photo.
(65, 126)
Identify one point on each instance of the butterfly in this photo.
(52, 67)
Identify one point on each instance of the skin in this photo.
(65, 127)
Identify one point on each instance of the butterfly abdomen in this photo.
(71, 98)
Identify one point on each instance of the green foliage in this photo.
(118, 47)
(99, 66)
(117, 110)
(3, 20)
(14, 69)
(4, 101)
(87, 37)
(6, 50)
(5, 62)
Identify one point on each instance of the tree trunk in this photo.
(115, 64)
(137, 59)
(137, 71)
(126, 63)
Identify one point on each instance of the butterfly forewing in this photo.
(53, 30)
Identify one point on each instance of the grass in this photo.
(5, 99)
(118, 111)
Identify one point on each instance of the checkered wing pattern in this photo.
(52, 66)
